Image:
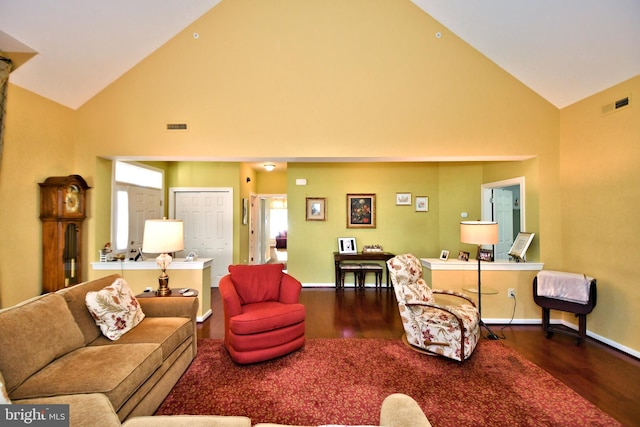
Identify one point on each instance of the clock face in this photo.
(72, 199)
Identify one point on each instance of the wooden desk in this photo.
(369, 256)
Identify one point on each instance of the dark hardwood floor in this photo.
(606, 377)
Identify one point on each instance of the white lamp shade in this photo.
(163, 236)
(479, 232)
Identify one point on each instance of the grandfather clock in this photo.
(62, 212)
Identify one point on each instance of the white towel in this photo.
(570, 287)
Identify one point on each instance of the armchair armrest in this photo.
(436, 306)
(230, 298)
(290, 289)
(455, 294)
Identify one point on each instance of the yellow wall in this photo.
(274, 182)
(337, 79)
(452, 188)
(599, 178)
(38, 143)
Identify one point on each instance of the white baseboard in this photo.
(204, 317)
(611, 343)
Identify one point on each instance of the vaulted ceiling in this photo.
(69, 50)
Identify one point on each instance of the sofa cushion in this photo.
(266, 316)
(256, 283)
(115, 370)
(168, 332)
(115, 309)
(84, 409)
(189, 421)
(324, 425)
(37, 331)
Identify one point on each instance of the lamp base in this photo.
(163, 286)
(491, 335)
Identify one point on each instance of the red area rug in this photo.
(344, 381)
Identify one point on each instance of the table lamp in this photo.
(163, 236)
(480, 233)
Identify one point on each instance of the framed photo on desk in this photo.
(520, 245)
(347, 245)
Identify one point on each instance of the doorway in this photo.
(268, 229)
(504, 202)
(208, 225)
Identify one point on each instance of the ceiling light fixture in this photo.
(269, 167)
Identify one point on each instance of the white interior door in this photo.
(208, 226)
(503, 214)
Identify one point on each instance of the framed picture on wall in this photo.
(422, 204)
(316, 209)
(361, 211)
(403, 199)
(245, 211)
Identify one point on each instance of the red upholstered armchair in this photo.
(262, 316)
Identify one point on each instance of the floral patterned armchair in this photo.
(447, 330)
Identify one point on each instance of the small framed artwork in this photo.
(444, 255)
(245, 210)
(316, 209)
(485, 255)
(422, 204)
(520, 245)
(403, 199)
(463, 256)
(361, 211)
(347, 245)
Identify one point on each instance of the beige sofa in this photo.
(53, 351)
(398, 410)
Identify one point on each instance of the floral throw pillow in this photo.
(115, 309)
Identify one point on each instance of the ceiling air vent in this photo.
(177, 126)
(617, 105)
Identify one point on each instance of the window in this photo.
(137, 196)
(142, 176)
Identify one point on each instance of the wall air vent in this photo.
(177, 126)
(622, 102)
(616, 105)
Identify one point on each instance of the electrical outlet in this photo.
(511, 293)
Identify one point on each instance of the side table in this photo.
(175, 292)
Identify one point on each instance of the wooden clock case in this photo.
(63, 205)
